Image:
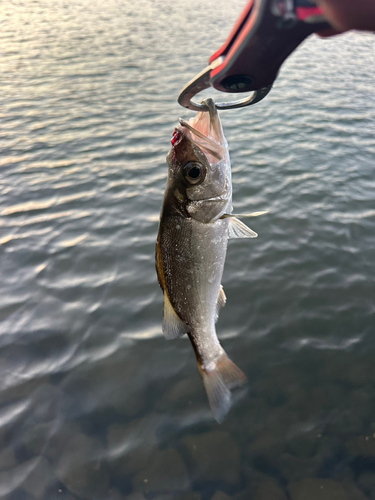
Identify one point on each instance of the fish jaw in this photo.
(209, 210)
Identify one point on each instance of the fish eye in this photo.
(194, 172)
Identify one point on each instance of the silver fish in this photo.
(195, 224)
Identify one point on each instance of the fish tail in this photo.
(218, 384)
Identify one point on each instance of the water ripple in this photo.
(82, 356)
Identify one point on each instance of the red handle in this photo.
(236, 30)
(260, 41)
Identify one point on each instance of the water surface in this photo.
(94, 403)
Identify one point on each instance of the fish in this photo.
(195, 224)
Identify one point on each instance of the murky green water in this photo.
(94, 403)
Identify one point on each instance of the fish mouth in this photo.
(203, 142)
(206, 132)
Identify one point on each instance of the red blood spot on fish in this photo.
(175, 137)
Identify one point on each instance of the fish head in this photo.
(199, 178)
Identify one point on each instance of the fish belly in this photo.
(193, 255)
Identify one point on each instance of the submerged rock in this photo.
(186, 495)
(165, 472)
(254, 479)
(32, 476)
(304, 445)
(7, 458)
(353, 492)
(116, 495)
(213, 456)
(317, 489)
(81, 469)
(367, 482)
(183, 394)
(39, 478)
(295, 469)
(328, 396)
(46, 402)
(348, 422)
(135, 496)
(271, 439)
(353, 374)
(36, 438)
(270, 491)
(115, 383)
(58, 494)
(362, 446)
(2, 440)
(220, 495)
(131, 446)
(266, 444)
(19, 495)
(18, 392)
(51, 438)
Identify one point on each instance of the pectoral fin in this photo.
(173, 326)
(221, 299)
(238, 229)
(253, 214)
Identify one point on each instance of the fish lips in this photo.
(214, 149)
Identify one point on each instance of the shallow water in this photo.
(94, 403)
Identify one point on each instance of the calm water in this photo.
(94, 403)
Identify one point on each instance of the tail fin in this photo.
(218, 384)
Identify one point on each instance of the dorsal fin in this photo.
(173, 326)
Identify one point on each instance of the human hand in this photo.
(345, 15)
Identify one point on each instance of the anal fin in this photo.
(173, 327)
